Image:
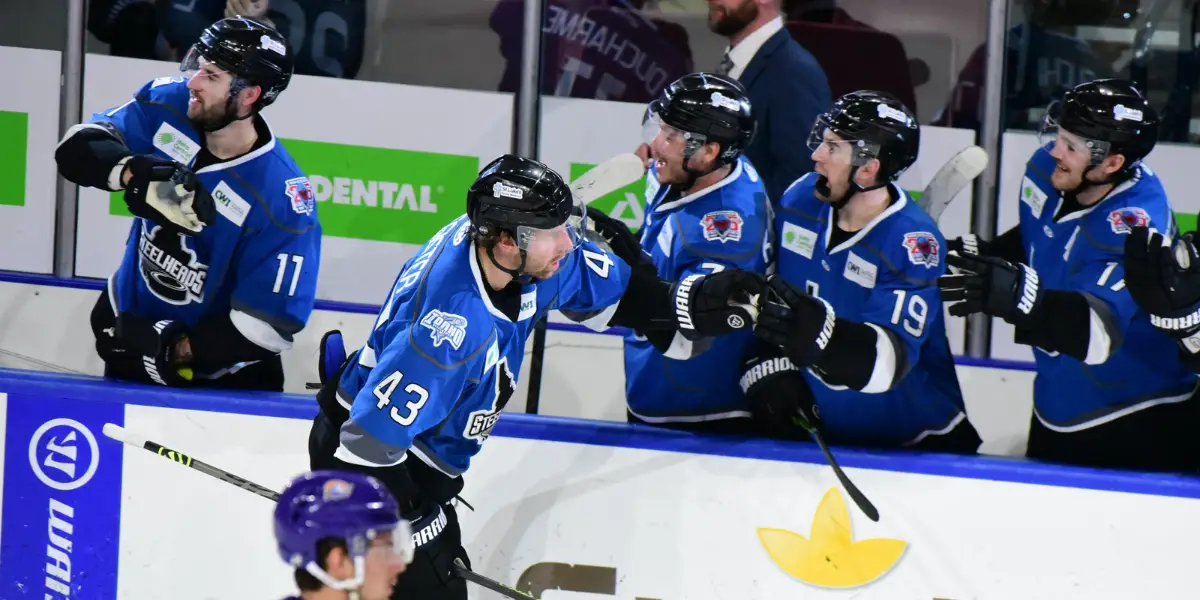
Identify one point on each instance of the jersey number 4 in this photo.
(387, 387)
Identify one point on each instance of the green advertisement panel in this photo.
(14, 139)
(378, 194)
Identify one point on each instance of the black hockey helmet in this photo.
(1111, 115)
(252, 52)
(705, 107)
(522, 196)
(878, 126)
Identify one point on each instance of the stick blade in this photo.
(951, 179)
(120, 434)
(607, 177)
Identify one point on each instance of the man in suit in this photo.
(787, 86)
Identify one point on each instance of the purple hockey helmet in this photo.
(351, 507)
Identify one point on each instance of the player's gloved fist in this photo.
(1164, 280)
(715, 304)
(779, 397)
(168, 194)
(967, 244)
(427, 523)
(158, 342)
(620, 239)
(801, 324)
(995, 287)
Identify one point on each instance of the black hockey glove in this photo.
(780, 400)
(715, 304)
(1164, 281)
(995, 287)
(168, 193)
(623, 242)
(801, 324)
(156, 341)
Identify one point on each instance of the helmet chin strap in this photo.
(1086, 184)
(822, 186)
(518, 273)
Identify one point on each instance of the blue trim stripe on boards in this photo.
(604, 433)
(352, 307)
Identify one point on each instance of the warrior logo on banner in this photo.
(169, 268)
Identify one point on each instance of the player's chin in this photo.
(1064, 180)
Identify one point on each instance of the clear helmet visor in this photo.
(556, 240)
(823, 138)
(377, 547)
(1076, 146)
(654, 129)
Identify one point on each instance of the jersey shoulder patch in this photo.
(913, 243)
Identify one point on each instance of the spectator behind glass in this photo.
(1043, 60)
(854, 55)
(335, 49)
(786, 85)
(599, 49)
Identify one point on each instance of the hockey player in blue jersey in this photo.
(220, 267)
(1110, 390)
(417, 402)
(706, 211)
(343, 534)
(854, 337)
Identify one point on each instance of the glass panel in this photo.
(447, 43)
(40, 25)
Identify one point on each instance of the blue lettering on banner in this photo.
(62, 499)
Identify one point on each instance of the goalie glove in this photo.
(1164, 280)
(168, 194)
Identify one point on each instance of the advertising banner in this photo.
(62, 499)
(28, 134)
(566, 508)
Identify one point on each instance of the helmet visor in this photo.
(1073, 144)
(654, 127)
(825, 138)
(195, 64)
(564, 238)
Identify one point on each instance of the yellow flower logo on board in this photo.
(830, 557)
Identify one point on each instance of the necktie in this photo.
(726, 65)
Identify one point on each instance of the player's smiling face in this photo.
(546, 251)
(668, 148)
(831, 161)
(1072, 157)
(209, 93)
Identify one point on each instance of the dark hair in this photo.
(305, 580)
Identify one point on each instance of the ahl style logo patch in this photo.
(722, 226)
(1123, 220)
(922, 249)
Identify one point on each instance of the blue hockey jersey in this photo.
(1083, 252)
(259, 258)
(724, 226)
(442, 360)
(885, 275)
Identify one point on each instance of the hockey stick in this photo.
(125, 436)
(952, 178)
(856, 494)
(607, 177)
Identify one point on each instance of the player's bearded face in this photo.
(1072, 157)
(209, 96)
(727, 17)
(831, 161)
(546, 250)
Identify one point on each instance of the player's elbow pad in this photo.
(88, 156)
(862, 357)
